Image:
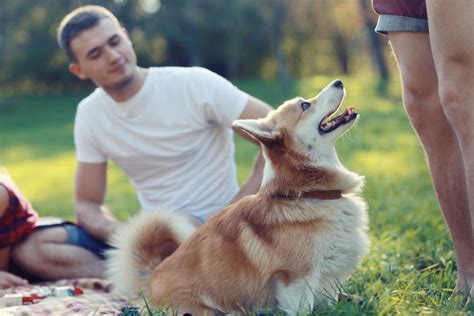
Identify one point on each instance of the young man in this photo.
(168, 128)
(437, 72)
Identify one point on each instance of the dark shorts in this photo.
(77, 236)
(401, 16)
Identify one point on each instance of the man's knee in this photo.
(456, 97)
(422, 104)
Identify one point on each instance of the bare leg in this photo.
(439, 140)
(451, 34)
(45, 254)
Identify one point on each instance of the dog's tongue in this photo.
(330, 123)
(350, 110)
(346, 115)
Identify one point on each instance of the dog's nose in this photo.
(338, 84)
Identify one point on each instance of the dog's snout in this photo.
(338, 84)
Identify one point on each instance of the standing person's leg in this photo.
(451, 26)
(422, 103)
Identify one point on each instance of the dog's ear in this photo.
(262, 130)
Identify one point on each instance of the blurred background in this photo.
(274, 50)
(264, 39)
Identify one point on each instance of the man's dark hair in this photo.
(79, 20)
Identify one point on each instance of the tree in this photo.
(239, 38)
(277, 24)
(375, 46)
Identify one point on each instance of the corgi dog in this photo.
(287, 247)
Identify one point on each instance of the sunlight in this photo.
(395, 163)
(150, 6)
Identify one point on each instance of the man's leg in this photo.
(422, 103)
(45, 254)
(451, 26)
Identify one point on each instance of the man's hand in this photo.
(10, 280)
(92, 214)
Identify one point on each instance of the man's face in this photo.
(104, 54)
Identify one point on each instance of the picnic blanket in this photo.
(97, 299)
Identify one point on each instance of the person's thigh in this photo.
(31, 245)
(56, 234)
(452, 40)
(451, 25)
(66, 233)
(413, 53)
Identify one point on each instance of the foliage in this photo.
(411, 266)
(239, 38)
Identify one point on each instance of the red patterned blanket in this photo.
(96, 299)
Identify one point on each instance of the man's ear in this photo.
(76, 70)
(264, 131)
(125, 31)
(127, 35)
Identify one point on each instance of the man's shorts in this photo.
(401, 16)
(77, 236)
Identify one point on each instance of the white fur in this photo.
(210, 303)
(268, 172)
(121, 267)
(296, 297)
(337, 252)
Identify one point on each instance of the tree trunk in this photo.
(342, 52)
(232, 61)
(3, 27)
(375, 44)
(193, 50)
(277, 30)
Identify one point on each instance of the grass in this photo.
(411, 266)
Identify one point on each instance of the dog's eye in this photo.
(305, 105)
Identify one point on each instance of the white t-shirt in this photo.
(173, 138)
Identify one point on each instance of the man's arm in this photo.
(91, 212)
(254, 109)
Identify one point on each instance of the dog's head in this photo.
(298, 142)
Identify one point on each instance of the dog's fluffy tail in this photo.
(140, 245)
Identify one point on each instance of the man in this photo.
(437, 72)
(168, 128)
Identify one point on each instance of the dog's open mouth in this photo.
(329, 124)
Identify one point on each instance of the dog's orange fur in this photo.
(235, 260)
(240, 252)
(237, 256)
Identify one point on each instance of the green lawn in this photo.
(410, 268)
